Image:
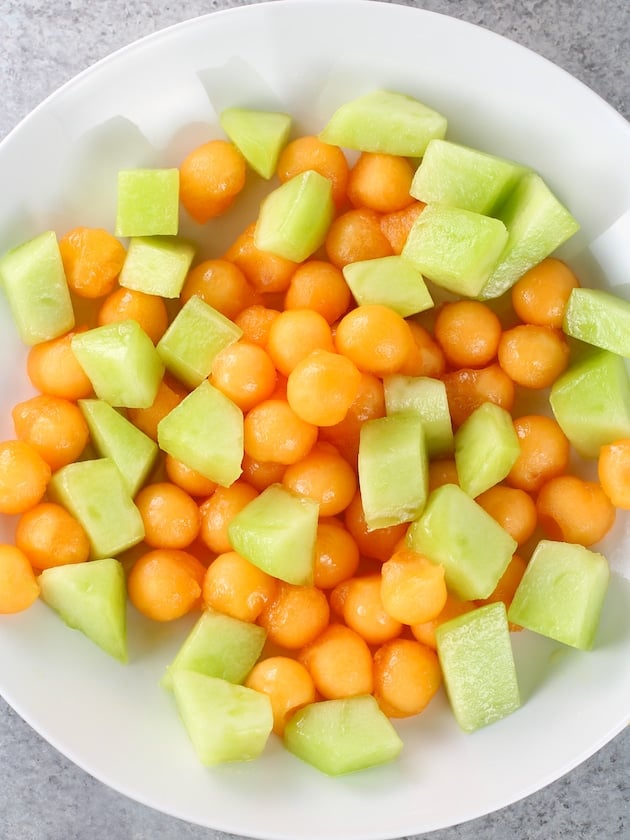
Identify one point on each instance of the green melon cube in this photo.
(205, 431)
(121, 362)
(193, 339)
(384, 121)
(95, 493)
(260, 136)
(477, 661)
(157, 265)
(455, 531)
(342, 736)
(294, 219)
(393, 468)
(225, 722)
(148, 202)
(599, 318)
(562, 593)
(486, 447)
(390, 281)
(34, 282)
(427, 398)
(276, 531)
(455, 248)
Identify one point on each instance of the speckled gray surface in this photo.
(43, 796)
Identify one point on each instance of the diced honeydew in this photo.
(389, 281)
(260, 136)
(599, 318)
(148, 202)
(426, 397)
(486, 448)
(157, 265)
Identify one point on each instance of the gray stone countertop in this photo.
(43, 796)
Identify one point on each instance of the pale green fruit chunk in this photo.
(393, 468)
(148, 202)
(205, 432)
(195, 336)
(115, 437)
(477, 662)
(389, 281)
(426, 397)
(455, 248)
(225, 722)
(384, 121)
(276, 531)
(455, 531)
(294, 218)
(599, 318)
(260, 136)
(591, 402)
(121, 362)
(91, 597)
(486, 448)
(96, 494)
(157, 265)
(562, 593)
(218, 646)
(35, 285)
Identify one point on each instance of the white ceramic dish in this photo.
(148, 103)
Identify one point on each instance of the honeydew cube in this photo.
(426, 397)
(195, 336)
(599, 318)
(295, 217)
(95, 493)
(486, 448)
(36, 289)
(148, 202)
(455, 531)
(157, 265)
(276, 531)
(562, 593)
(477, 662)
(384, 121)
(205, 432)
(393, 469)
(390, 281)
(260, 136)
(455, 248)
(121, 362)
(342, 736)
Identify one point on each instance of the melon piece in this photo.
(455, 531)
(260, 136)
(148, 202)
(218, 646)
(96, 494)
(477, 661)
(486, 448)
(121, 362)
(276, 531)
(599, 318)
(390, 281)
(562, 593)
(426, 397)
(35, 285)
(591, 401)
(225, 722)
(115, 437)
(90, 597)
(393, 468)
(294, 218)
(342, 736)
(193, 339)
(456, 249)
(157, 265)
(384, 121)
(205, 432)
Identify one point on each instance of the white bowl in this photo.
(147, 104)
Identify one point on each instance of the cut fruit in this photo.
(36, 288)
(427, 398)
(476, 656)
(157, 265)
(148, 202)
(342, 736)
(225, 722)
(260, 136)
(390, 281)
(277, 531)
(562, 593)
(599, 318)
(91, 597)
(486, 448)
(387, 122)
